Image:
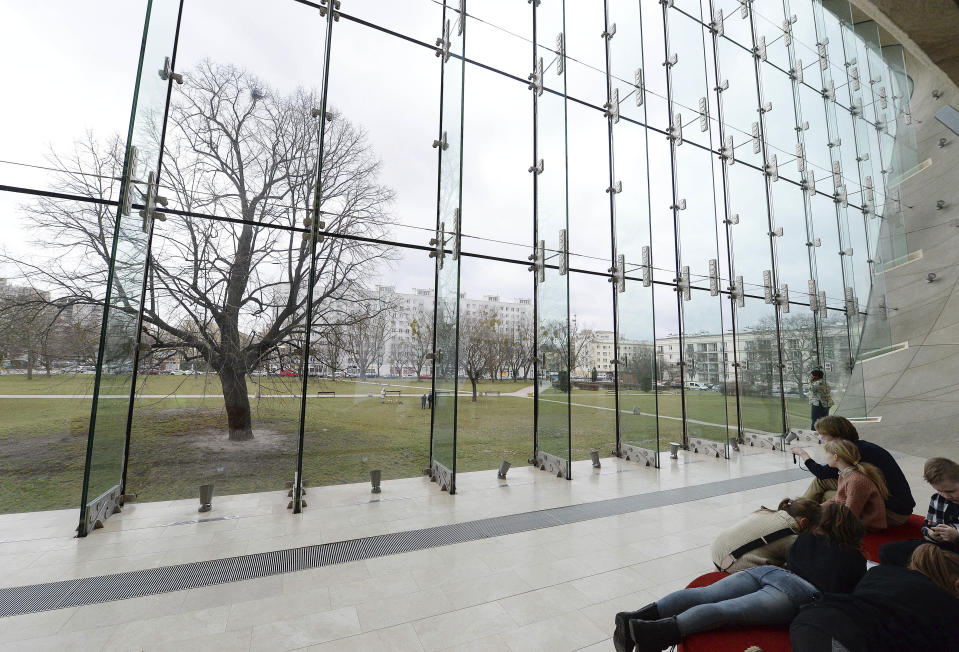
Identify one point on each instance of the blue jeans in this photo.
(816, 412)
(763, 595)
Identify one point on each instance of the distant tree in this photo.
(477, 336)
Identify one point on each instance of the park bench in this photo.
(327, 394)
(492, 392)
(610, 392)
(392, 395)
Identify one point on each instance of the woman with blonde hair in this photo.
(861, 486)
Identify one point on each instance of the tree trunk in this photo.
(473, 382)
(237, 403)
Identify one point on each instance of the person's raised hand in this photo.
(796, 450)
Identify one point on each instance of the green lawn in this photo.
(179, 443)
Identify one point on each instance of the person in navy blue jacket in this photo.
(899, 504)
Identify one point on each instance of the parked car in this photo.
(287, 373)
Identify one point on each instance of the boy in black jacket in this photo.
(942, 522)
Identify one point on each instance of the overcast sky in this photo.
(69, 67)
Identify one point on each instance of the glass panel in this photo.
(592, 346)
(654, 72)
(495, 413)
(552, 295)
(497, 198)
(688, 76)
(793, 254)
(769, 19)
(736, 26)
(445, 364)
(416, 19)
(51, 304)
(668, 380)
(740, 100)
(218, 398)
(586, 52)
(501, 34)
(588, 178)
(63, 42)
(398, 114)
(705, 407)
(801, 356)
(828, 261)
(780, 123)
(368, 394)
(756, 337)
(118, 348)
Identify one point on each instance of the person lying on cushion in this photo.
(899, 504)
(764, 537)
(893, 609)
(826, 558)
(942, 522)
(861, 486)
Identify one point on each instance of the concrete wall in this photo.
(916, 391)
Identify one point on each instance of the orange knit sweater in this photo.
(861, 495)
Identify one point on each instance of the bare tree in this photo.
(366, 337)
(477, 338)
(234, 290)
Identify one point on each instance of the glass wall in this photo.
(442, 236)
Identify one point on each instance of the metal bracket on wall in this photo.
(611, 108)
(336, 6)
(638, 85)
(133, 155)
(438, 252)
(443, 43)
(618, 271)
(713, 277)
(716, 26)
(560, 53)
(538, 258)
(737, 292)
(797, 72)
(676, 130)
(563, 253)
(683, 285)
(782, 298)
(813, 299)
(148, 212)
(536, 78)
(772, 168)
(647, 267)
(728, 151)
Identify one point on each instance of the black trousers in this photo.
(898, 553)
(816, 412)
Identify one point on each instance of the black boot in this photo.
(621, 637)
(654, 635)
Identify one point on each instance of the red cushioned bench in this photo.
(911, 529)
(776, 639)
(769, 639)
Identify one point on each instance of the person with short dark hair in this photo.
(941, 527)
(820, 397)
(826, 558)
(899, 504)
(892, 609)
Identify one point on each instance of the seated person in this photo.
(826, 558)
(861, 486)
(764, 537)
(893, 609)
(900, 502)
(942, 522)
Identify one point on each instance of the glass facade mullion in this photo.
(446, 328)
(554, 330)
(697, 242)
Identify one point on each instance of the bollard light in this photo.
(594, 455)
(503, 468)
(673, 451)
(375, 481)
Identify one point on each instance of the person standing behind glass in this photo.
(820, 397)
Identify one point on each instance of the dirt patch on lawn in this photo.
(264, 441)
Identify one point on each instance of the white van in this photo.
(692, 384)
